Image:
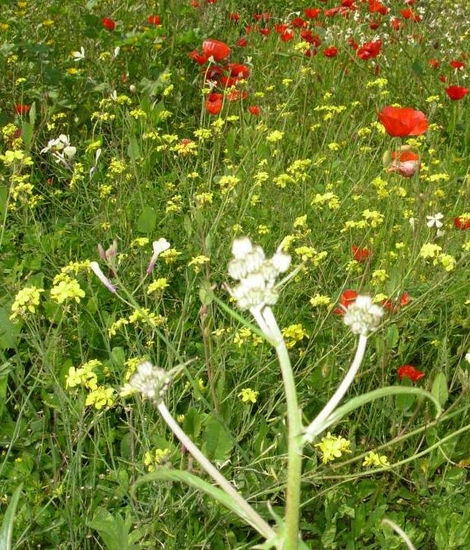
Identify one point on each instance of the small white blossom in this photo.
(151, 381)
(467, 357)
(102, 277)
(78, 56)
(363, 316)
(435, 220)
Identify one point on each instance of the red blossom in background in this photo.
(410, 372)
(457, 64)
(347, 298)
(369, 50)
(394, 306)
(197, 57)
(312, 13)
(360, 254)
(21, 109)
(298, 23)
(108, 23)
(403, 121)
(330, 51)
(377, 7)
(154, 20)
(214, 103)
(215, 48)
(433, 63)
(456, 92)
(254, 110)
(287, 35)
(462, 222)
(406, 13)
(242, 42)
(234, 16)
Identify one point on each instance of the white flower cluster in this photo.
(61, 149)
(363, 316)
(151, 381)
(256, 274)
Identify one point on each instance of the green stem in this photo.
(268, 323)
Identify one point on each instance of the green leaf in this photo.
(114, 530)
(9, 331)
(147, 220)
(439, 388)
(6, 531)
(192, 423)
(368, 397)
(218, 442)
(404, 401)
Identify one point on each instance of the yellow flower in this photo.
(274, 136)
(248, 395)
(197, 261)
(157, 285)
(293, 334)
(100, 397)
(319, 300)
(374, 459)
(430, 250)
(332, 447)
(67, 289)
(156, 458)
(26, 300)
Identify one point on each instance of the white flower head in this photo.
(256, 274)
(79, 55)
(363, 316)
(102, 277)
(467, 357)
(151, 381)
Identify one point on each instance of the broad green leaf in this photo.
(9, 331)
(6, 531)
(147, 220)
(218, 443)
(114, 530)
(439, 388)
(192, 423)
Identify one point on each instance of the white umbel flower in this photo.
(149, 380)
(363, 316)
(256, 274)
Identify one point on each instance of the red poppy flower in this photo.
(377, 7)
(199, 58)
(394, 306)
(309, 37)
(395, 23)
(360, 254)
(281, 27)
(265, 16)
(462, 222)
(330, 52)
(406, 13)
(403, 121)
(298, 23)
(22, 109)
(238, 70)
(154, 20)
(410, 372)
(369, 50)
(235, 95)
(287, 35)
(457, 64)
(404, 163)
(265, 31)
(214, 103)
(347, 298)
(194, 4)
(215, 48)
(234, 16)
(433, 63)
(108, 23)
(456, 92)
(312, 13)
(254, 110)
(354, 45)
(375, 24)
(242, 42)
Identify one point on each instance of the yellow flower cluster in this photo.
(332, 447)
(247, 395)
(156, 458)
(294, 334)
(67, 289)
(86, 377)
(374, 459)
(26, 301)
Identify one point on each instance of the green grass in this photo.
(78, 464)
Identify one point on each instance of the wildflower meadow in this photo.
(235, 274)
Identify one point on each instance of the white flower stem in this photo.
(251, 516)
(400, 532)
(317, 425)
(267, 322)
